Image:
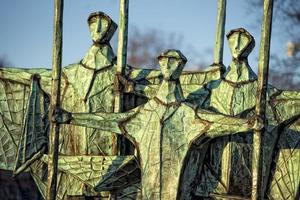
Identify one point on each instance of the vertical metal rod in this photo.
(122, 52)
(121, 64)
(220, 31)
(55, 99)
(260, 109)
(218, 59)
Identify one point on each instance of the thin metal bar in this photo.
(218, 60)
(122, 52)
(220, 31)
(121, 64)
(260, 109)
(55, 99)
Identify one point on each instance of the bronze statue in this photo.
(162, 130)
(191, 133)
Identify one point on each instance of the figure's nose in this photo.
(169, 64)
(98, 28)
(237, 42)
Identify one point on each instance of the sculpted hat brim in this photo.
(98, 14)
(172, 53)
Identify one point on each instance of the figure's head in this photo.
(240, 42)
(102, 27)
(171, 63)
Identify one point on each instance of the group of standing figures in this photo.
(182, 135)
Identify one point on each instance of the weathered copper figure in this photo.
(228, 169)
(87, 86)
(240, 84)
(163, 129)
(93, 92)
(205, 134)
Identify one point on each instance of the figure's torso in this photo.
(162, 134)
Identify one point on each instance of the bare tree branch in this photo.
(285, 72)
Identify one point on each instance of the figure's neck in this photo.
(240, 71)
(170, 92)
(99, 56)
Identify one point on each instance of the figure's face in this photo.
(98, 28)
(238, 42)
(171, 67)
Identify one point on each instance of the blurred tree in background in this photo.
(284, 69)
(3, 62)
(145, 45)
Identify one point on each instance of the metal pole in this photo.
(122, 52)
(218, 60)
(260, 109)
(121, 65)
(220, 31)
(55, 99)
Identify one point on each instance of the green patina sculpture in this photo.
(25, 101)
(191, 133)
(235, 95)
(163, 129)
(87, 86)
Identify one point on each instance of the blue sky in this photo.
(26, 26)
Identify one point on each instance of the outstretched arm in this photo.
(103, 121)
(142, 82)
(23, 76)
(216, 125)
(145, 82)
